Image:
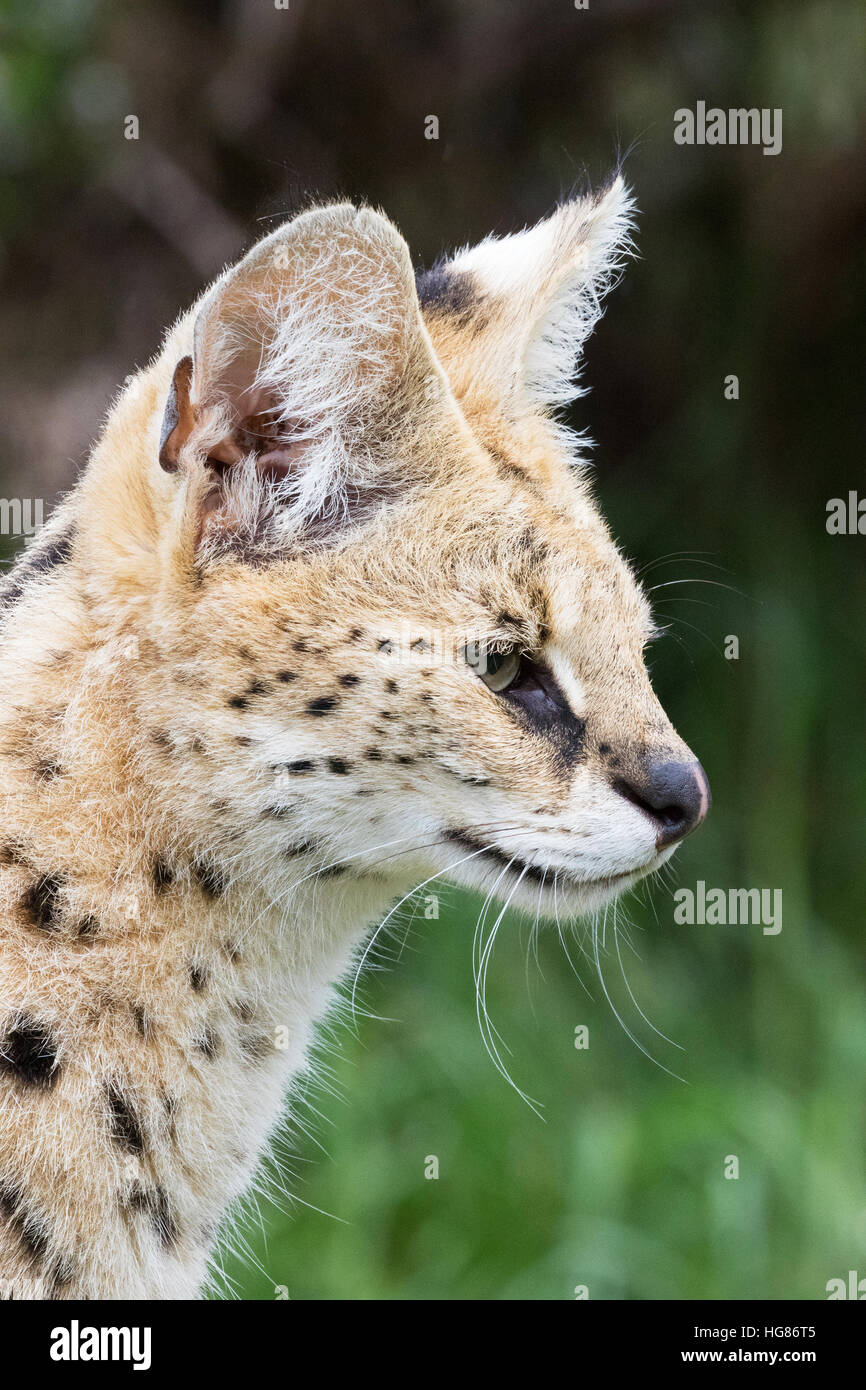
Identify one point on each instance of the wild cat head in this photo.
(409, 643)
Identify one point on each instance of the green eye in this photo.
(498, 667)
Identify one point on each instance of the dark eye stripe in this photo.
(537, 701)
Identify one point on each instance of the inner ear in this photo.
(313, 379)
(258, 428)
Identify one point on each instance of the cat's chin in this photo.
(549, 892)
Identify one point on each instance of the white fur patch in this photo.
(550, 280)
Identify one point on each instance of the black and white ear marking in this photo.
(538, 295)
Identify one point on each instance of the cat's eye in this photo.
(498, 667)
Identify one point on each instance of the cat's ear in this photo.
(310, 365)
(510, 316)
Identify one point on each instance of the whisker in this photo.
(684, 555)
(574, 970)
(439, 874)
(481, 1009)
(714, 583)
(638, 1044)
(657, 1031)
(675, 618)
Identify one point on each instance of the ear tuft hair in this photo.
(539, 295)
(590, 249)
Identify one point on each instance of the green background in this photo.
(748, 264)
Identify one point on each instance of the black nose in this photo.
(676, 795)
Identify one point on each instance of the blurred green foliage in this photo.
(749, 265)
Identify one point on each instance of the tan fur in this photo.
(162, 926)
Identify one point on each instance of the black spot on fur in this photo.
(162, 875)
(333, 871)
(238, 702)
(31, 1229)
(304, 847)
(142, 1022)
(47, 770)
(88, 927)
(208, 1042)
(355, 634)
(386, 645)
(209, 877)
(257, 1046)
(392, 687)
(257, 687)
(62, 1276)
(604, 749)
(374, 755)
(243, 1010)
(287, 676)
(323, 705)
(405, 759)
(162, 1217)
(300, 766)
(153, 1203)
(198, 976)
(124, 1123)
(348, 681)
(40, 902)
(29, 1053)
(338, 765)
(161, 739)
(34, 563)
(12, 852)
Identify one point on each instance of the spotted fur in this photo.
(236, 719)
